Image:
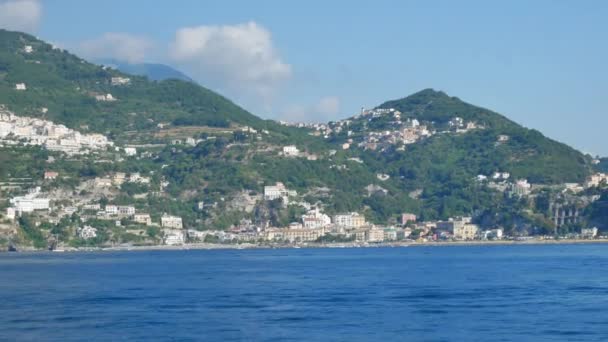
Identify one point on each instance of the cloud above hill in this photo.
(241, 58)
(20, 15)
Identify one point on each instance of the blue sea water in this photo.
(480, 293)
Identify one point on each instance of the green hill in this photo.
(67, 85)
(527, 153)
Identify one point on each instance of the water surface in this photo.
(463, 293)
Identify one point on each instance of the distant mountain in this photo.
(154, 71)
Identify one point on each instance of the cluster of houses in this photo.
(119, 178)
(458, 125)
(278, 191)
(314, 223)
(500, 181)
(353, 227)
(410, 132)
(404, 131)
(30, 202)
(33, 131)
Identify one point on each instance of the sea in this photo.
(449, 293)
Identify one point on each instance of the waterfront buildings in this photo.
(589, 233)
(294, 235)
(314, 219)
(168, 221)
(350, 220)
(466, 231)
(173, 237)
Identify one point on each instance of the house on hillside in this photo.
(120, 81)
(168, 221)
(50, 175)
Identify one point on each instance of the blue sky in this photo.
(541, 63)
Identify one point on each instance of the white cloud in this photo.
(326, 109)
(20, 15)
(117, 45)
(241, 58)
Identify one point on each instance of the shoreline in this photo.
(349, 245)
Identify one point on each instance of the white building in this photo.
(105, 98)
(168, 221)
(315, 219)
(87, 232)
(95, 206)
(29, 203)
(11, 213)
(291, 151)
(501, 175)
(143, 219)
(493, 234)
(126, 210)
(20, 86)
(130, 151)
(174, 237)
(111, 209)
(272, 192)
(28, 49)
(521, 188)
(350, 220)
(120, 81)
(589, 233)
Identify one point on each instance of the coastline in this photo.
(211, 246)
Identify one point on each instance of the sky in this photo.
(541, 63)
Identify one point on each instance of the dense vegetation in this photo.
(527, 154)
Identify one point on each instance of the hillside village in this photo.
(33, 131)
(380, 176)
(95, 221)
